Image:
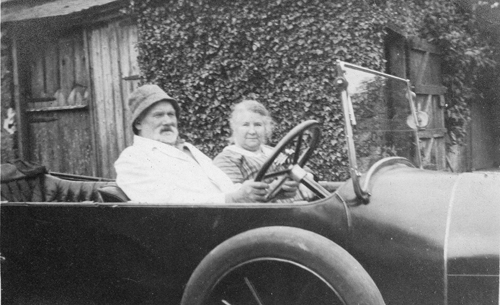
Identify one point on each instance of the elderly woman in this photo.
(251, 126)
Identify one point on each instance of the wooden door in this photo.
(58, 104)
(420, 61)
(425, 75)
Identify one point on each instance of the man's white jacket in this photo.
(153, 172)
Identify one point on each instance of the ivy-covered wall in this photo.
(210, 54)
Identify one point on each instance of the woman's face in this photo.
(249, 130)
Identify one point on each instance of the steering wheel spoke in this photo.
(276, 174)
(297, 148)
(276, 189)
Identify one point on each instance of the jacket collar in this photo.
(167, 149)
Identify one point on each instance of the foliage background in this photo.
(210, 54)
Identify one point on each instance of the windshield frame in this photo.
(350, 121)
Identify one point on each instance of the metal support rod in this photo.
(346, 64)
(417, 124)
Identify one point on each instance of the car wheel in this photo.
(280, 265)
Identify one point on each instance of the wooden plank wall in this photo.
(113, 57)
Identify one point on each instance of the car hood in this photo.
(457, 215)
(437, 228)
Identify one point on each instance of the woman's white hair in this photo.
(255, 107)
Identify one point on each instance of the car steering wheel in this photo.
(294, 170)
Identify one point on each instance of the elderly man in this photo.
(161, 168)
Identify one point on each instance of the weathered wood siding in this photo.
(113, 57)
(484, 134)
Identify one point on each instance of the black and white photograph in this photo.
(250, 152)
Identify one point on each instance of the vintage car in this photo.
(394, 233)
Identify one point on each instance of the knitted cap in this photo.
(147, 95)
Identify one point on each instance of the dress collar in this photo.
(263, 151)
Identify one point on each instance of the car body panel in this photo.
(130, 245)
(431, 230)
(473, 240)
(422, 236)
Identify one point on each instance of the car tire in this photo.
(280, 265)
